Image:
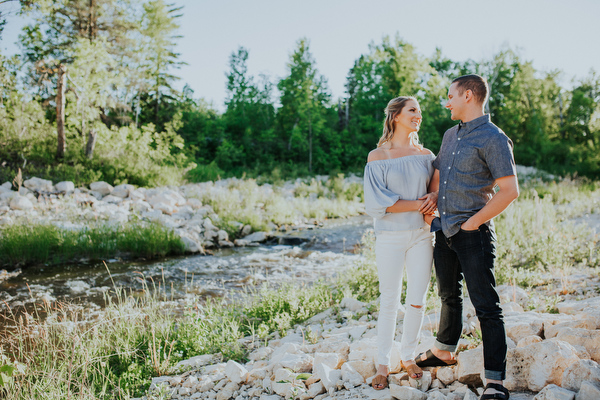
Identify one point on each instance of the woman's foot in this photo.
(414, 371)
(380, 380)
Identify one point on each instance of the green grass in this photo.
(29, 244)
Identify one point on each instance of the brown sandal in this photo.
(414, 371)
(379, 382)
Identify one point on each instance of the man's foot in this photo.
(380, 380)
(435, 358)
(414, 371)
(495, 391)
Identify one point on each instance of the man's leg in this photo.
(476, 252)
(448, 275)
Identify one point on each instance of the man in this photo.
(475, 157)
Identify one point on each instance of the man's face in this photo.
(456, 103)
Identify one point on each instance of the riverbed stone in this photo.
(470, 365)
(351, 377)
(554, 392)
(446, 375)
(257, 237)
(332, 360)
(65, 187)
(579, 372)
(20, 203)
(588, 391)
(235, 372)
(38, 185)
(406, 393)
(590, 339)
(101, 187)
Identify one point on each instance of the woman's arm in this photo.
(404, 206)
(429, 204)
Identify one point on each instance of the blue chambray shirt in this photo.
(473, 155)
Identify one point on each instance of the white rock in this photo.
(579, 372)
(101, 187)
(527, 340)
(6, 186)
(590, 339)
(436, 395)
(552, 328)
(554, 392)
(446, 375)
(222, 236)
(423, 383)
(297, 362)
(470, 366)
(538, 365)
(235, 372)
(20, 203)
(328, 376)
(406, 393)
(522, 325)
(352, 304)
(511, 307)
(260, 353)
(257, 237)
(351, 377)
(364, 368)
(356, 332)
(38, 185)
(588, 391)
(194, 203)
(191, 245)
(65, 187)
(282, 382)
(332, 360)
(190, 382)
(112, 199)
(96, 194)
(316, 389)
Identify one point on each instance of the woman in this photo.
(398, 176)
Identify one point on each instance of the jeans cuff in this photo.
(496, 375)
(446, 347)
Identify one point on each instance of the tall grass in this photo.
(26, 244)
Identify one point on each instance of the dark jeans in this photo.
(470, 254)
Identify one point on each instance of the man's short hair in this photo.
(476, 84)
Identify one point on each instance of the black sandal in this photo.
(432, 361)
(504, 395)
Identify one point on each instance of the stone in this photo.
(423, 383)
(194, 203)
(112, 199)
(65, 187)
(590, 339)
(352, 304)
(316, 389)
(328, 376)
(470, 365)
(351, 377)
(446, 375)
(554, 392)
(257, 237)
(6, 186)
(246, 230)
(406, 393)
(436, 395)
(527, 340)
(101, 187)
(191, 245)
(332, 360)
(579, 372)
(190, 382)
(522, 325)
(508, 293)
(511, 307)
(222, 236)
(260, 353)
(282, 382)
(588, 391)
(227, 392)
(20, 203)
(297, 362)
(38, 185)
(552, 330)
(341, 347)
(356, 332)
(235, 372)
(372, 394)
(364, 368)
(122, 191)
(535, 366)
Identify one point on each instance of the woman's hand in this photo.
(428, 218)
(429, 204)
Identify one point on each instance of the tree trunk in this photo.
(60, 111)
(91, 143)
(310, 135)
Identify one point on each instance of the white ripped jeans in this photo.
(395, 250)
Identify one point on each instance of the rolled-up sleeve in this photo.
(377, 196)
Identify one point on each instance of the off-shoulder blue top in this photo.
(387, 181)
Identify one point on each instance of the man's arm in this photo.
(509, 191)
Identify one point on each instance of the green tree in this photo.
(304, 100)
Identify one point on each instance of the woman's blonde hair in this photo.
(392, 110)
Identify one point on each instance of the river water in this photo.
(303, 255)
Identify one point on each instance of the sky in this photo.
(552, 34)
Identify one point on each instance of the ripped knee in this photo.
(415, 306)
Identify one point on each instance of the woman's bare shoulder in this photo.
(427, 152)
(377, 154)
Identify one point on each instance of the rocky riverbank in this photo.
(188, 210)
(553, 354)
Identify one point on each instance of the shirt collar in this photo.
(466, 127)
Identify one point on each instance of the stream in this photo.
(303, 255)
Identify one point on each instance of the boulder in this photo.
(352, 304)
(554, 392)
(446, 375)
(65, 187)
(235, 372)
(20, 203)
(101, 187)
(38, 185)
(257, 237)
(351, 377)
(538, 365)
(364, 368)
(579, 372)
(470, 366)
(552, 330)
(332, 360)
(527, 340)
(423, 383)
(406, 393)
(328, 376)
(590, 339)
(6, 186)
(122, 191)
(297, 362)
(588, 391)
(521, 325)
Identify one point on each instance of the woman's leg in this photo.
(419, 259)
(389, 255)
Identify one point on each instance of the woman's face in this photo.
(410, 117)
